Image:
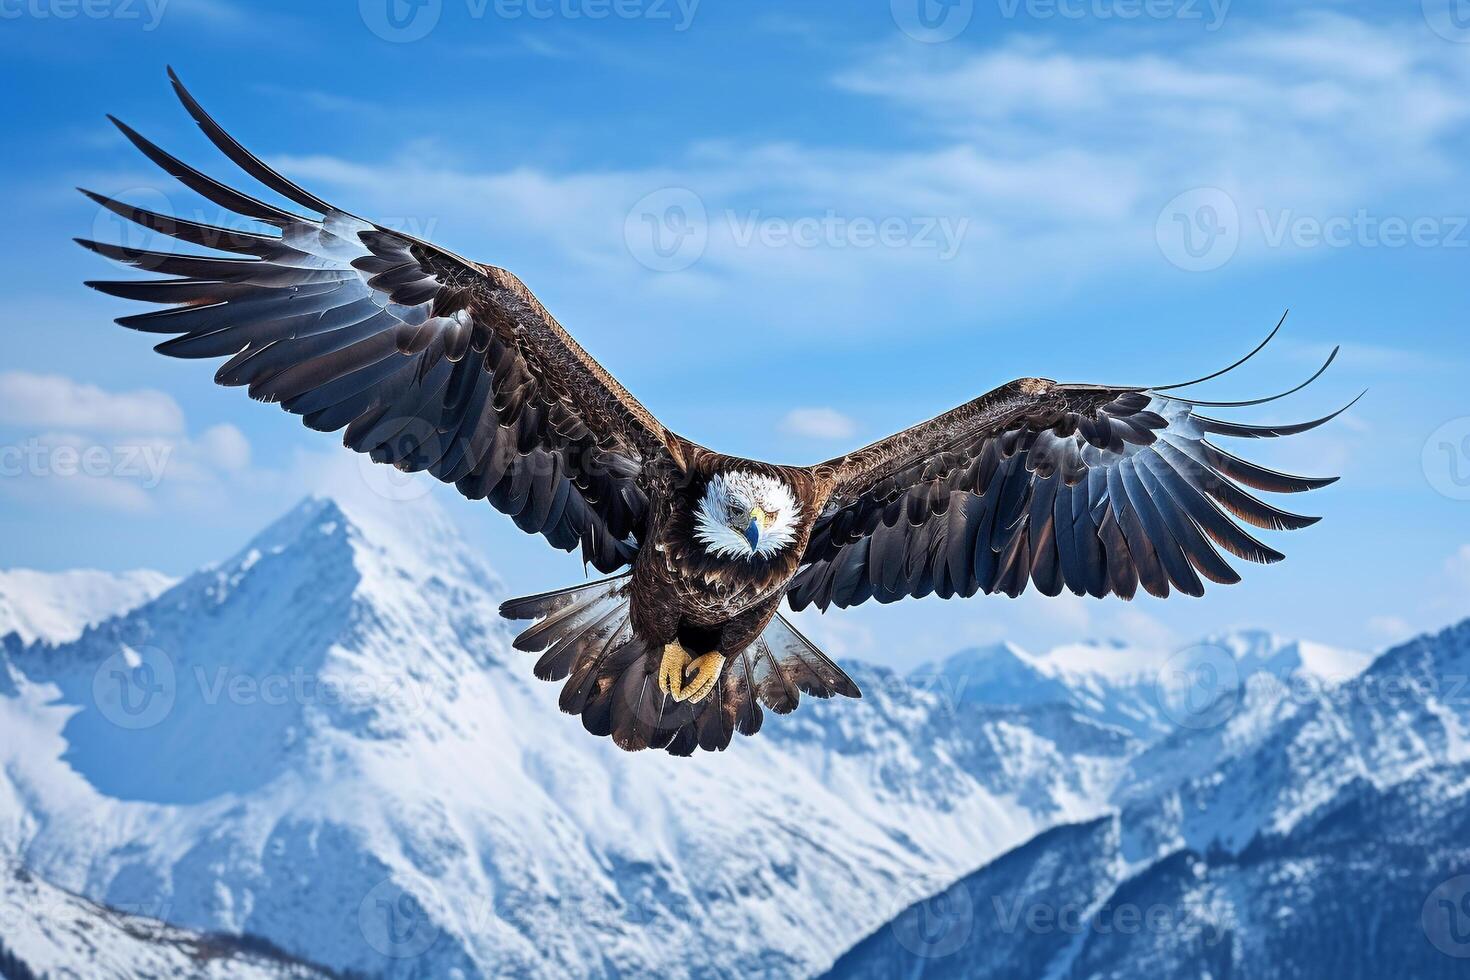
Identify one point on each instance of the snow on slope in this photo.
(1318, 832)
(1145, 691)
(55, 607)
(56, 934)
(327, 742)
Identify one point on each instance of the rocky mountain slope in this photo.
(47, 932)
(55, 607)
(1325, 838)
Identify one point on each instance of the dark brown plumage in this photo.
(428, 361)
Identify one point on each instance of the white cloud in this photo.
(52, 401)
(225, 446)
(818, 423)
(1390, 629)
(1050, 165)
(1312, 116)
(1457, 567)
(73, 443)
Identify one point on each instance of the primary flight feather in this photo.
(428, 361)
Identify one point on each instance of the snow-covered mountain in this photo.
(47, 932)
(56, 606)
(1319, 831)
(326, 742)
(1148, 692)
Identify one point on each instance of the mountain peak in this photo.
(314, 513)
(1258, 650)
(399, 541)
(995, 673)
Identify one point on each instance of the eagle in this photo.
(427, 361)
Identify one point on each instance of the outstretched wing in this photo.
(1090, 488)
(427, 360)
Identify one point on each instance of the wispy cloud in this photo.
(818, 423)
(64, 441)
(52, 401)
(1457, 567)
(1034, 170)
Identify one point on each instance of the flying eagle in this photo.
(429, 361)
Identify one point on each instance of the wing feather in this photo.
(423, 359)
(1094, 489)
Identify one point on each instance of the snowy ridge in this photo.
(47, 932)
(1138, 689)
(1318, 831)
(55, 607)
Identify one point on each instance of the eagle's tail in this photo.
(585, 636)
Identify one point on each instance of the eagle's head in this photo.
(744, 514)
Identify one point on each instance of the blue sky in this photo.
(864, 217)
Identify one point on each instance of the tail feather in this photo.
(559, 661)
(811, 670)
(748, 714)
(554, 608)
(582, 686)
(586, 639)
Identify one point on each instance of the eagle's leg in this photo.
(676, 666)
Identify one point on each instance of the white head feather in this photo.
(726, 508)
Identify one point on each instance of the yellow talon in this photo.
(671, 670)
(706, 671)
(674, 672)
